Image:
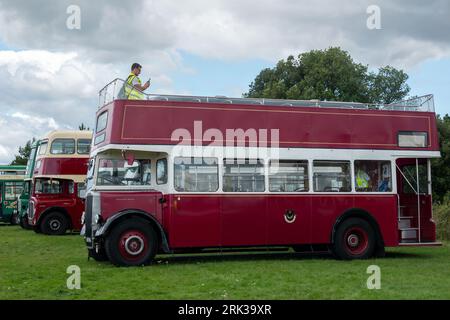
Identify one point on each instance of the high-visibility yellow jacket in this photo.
(130, 92)
(362, 179)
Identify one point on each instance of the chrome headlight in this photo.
(97, 218)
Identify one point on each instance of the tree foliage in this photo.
(441, 167)
(329, 74)
(24, 154)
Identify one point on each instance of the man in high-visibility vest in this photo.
(362, 179)
(134, 87)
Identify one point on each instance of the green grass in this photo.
(34, 266)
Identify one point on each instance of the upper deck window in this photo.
(63, 146)
(243, 175)
(83, 146)
(112, 172)
(331, 176)
(43, 148)
(102, 121)
(412, 139)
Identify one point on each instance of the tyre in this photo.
(354, 239)
(132, 242)
(24, 223)
(98, 256)
(54, 224)
(15, 219)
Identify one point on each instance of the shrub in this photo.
(441, 215)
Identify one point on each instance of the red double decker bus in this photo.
(174, 174)
(57, 199)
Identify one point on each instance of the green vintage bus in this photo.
(24, 198)
(11, 186)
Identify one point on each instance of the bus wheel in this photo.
(24, 223)
(55, 224)
(15, 219)
(354, 239)
(131, 243)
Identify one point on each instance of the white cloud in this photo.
(116, 31)
(54, 76)
(17, 128)
(43, 91)
(42, 122)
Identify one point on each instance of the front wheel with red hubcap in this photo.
(354, 239)
(131, 243)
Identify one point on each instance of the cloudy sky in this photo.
(50, 75)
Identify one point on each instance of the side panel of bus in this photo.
(194, 221)
(326, 209)
(238, 220)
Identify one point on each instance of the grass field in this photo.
(34, 267)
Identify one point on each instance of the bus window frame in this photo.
(259, 161)
(218, 165)
(166, 166)
(106, 122)
(66, 139)
(78, 146)
(272, 175)
(41, 145)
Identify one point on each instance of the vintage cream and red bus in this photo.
(350, 177)
(58, 180)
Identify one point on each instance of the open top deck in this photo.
(424, 103)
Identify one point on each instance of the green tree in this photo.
(24, 153)
(83, 127)
(329, 74)
(441, 167)
(388, 85)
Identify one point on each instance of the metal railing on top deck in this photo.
(115, 90)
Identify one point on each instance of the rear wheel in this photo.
(132, 243)
(55, 224)
(354, 239)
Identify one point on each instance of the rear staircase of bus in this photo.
(413, 232)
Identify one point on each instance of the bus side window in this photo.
(161, 171)
(196, 174)
(71, 187)
(243, 175)
(146, 172)
(331, 176)
(288, 176)
(373, 176)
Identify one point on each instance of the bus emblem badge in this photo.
(290, 216)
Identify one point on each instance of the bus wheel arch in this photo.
(136, 214)
(364, 217)
(61, 217)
